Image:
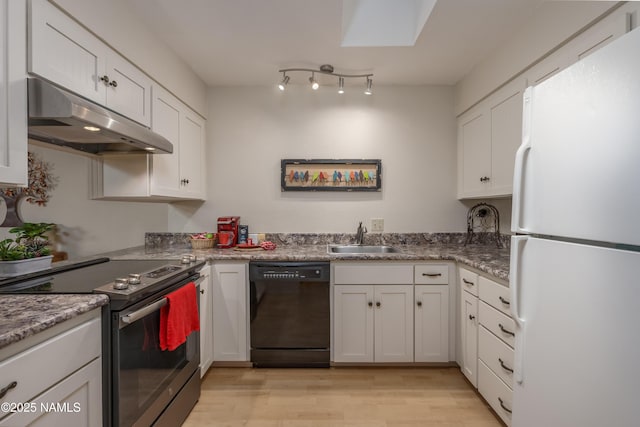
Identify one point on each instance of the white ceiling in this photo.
(245, 42)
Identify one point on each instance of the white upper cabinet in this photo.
(158, 177)
(62, 51)
(13, 91)
(488, 137)
(490, 132)
(180, 174)
(192, 134)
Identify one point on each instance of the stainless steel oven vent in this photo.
(59, 117)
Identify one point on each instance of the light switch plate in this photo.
(377, 225)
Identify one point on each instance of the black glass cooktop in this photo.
(77, 278)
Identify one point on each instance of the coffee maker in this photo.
(228, 225)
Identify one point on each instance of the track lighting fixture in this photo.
(328, 70)
(283, 83)
(368, 90)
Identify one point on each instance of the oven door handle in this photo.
(144, 311)
(128, 319)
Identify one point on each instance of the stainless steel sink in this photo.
(360, 249)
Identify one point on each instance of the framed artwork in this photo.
(331, 175)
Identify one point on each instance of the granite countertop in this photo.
(24, 315)
(486, 258)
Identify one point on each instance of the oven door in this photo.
(146, 379)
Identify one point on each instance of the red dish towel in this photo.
(179, 317)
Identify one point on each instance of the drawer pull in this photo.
(432, 274)
(505, 367)
(504, 301)
(502, 405)
(467, 282)
(506, 331)
(11, 385)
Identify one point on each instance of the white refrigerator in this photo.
(575, 254)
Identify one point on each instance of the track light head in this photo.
(283, 83)
(340, 85)
(314, 83)
(368, 90)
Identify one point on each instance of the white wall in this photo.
(552, 23)
(114, 22)
(87, 227)
(250, 129)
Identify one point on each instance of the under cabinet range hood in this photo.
(59, 117)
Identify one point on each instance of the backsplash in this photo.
(181, 240)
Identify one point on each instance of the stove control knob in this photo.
(134, 279)
(121, 283)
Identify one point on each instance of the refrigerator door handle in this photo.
(518, 172)
(517, 247)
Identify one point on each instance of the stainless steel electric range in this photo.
(142, 384)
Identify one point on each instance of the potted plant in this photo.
(28, 252)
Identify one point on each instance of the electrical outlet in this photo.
(377, 225)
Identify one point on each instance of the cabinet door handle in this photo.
(202, 291)
(105, 79)
(504, 301)
(467, 282)
(11, 385)
(113, 83)
(485, 179)
(378, 304)
(370, 304)
(502, 405)
(419, 303)
(506, 331)
(471, 317)
(505, 367)
(432, 274)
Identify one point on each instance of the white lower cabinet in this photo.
(60, 385)
(431, 323)
(495, 392)
(469, 336)
(206, 320)
(495, 347)
(373, 323)
(230, 312)
(353, 323)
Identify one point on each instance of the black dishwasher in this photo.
(290, 314)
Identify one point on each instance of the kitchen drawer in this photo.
(468, 281)
(495, 392)
(494, 294)
(431, 274)
(496, 355)
(45, 364)
(497, 323)
(373, 274)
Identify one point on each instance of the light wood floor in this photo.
(354, 397)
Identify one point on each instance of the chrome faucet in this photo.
(360, 234)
